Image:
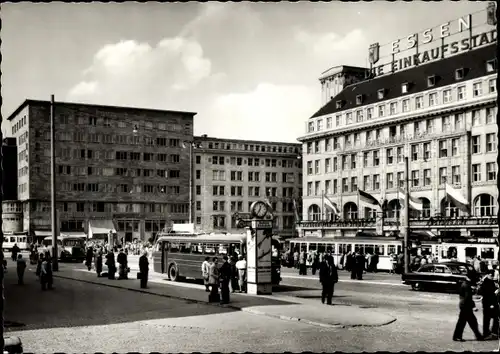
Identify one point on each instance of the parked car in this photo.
(445, 275)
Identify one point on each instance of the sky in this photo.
(249, 70)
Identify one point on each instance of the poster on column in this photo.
(264, 274)
(251, 258)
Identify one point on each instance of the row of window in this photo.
(239, 161)
(253, 147)
(286, 207)
(287, 192)
(117, 188)
(446, 148)
(19, 124)
(403, 105)
(107, 207)
(252, 176)
(418, 178)
(447, 124)
(122, 225)
(68, 170)
(219, 221)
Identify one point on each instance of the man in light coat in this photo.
(205, 272)
(241, 266)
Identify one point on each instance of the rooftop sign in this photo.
(420, 48)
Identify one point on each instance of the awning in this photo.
(43, 233)
(423, 235)
(101, 227)
(73, 234)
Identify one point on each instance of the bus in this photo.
(70, 248)
(341, 245)
(181, 256)
(19, 238)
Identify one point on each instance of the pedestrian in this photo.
(234, 274)
(490, 305)
(213, 280)
(46, 273)
(144, 270)
(21, 267)
(394, 262)
(360, 265)
(296, 259)
(328, 276)
(352, 264)
(88, 258)
(205, 272)
(375, 259)
(98, 263)
(466, 314)
(315, 263)
(110, 262)
(122, 261)
(302, 262)
(38, 272)
(241, 265)
(15, 250)
(224, 279)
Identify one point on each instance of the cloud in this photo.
(264, 113)
(342, 50)
(121, 72)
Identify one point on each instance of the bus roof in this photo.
(205, 238)
(65, 237)
(344, 239)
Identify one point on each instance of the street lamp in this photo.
(191, 145)
(55, 264)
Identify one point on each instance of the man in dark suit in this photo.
(144, 269)
(328, 276)
(490, 305)
(466, 314)
(225, 278)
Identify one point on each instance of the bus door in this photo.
(158, 257)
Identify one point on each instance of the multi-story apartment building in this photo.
(229, 175)
(441, 115)
(117, 168)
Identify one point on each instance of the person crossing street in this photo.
(466, 314)
(328, 276)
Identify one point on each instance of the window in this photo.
(329, 123)
(455, 174)
(328, 165)
(461, 93)
(401, 179)
(431, 81)
(309, 168)
(309, 188)
(427, 151)
(491, 65)
(399, 154)
(446, 124)
(319, 125)
(459, 74)
(459, 119)
(359, 116)
(477, 89)
(447, 96)
(338, 104)
(337, 120)
(353, 161)
(344, 163)
(389, 180)
(414, 178)
(404, 88)
(389, 156)
(359, 99)
(316, 168)
(365, 159)
(492, 85)
(354, 184)
(174, 173)
(454, 146)
(491, 142)
(381, 110)
(393, 106)
(406, 105)
(443, 148)
(443, 172)
(348, 118)
(414, 152)
(476, 172)
(419, 102)
(433, 99)
(366, 183)
(376, 182)
(345, 186)
(490, 115)
(427, 177)
(380, 94)
(491, 171)
(310, 127)
(317, 186)
(369, 113)
(476, 144)
(476, 118)
(376, 158)
(198, 190)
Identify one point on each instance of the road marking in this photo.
(344, 280)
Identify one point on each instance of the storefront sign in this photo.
(339, 223)
(434, 221)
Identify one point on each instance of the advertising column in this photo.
(259, 275)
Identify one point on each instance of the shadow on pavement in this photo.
(287, 288)
(74, 303)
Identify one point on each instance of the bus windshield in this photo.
(72, 242)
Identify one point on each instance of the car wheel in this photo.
(416, 286)
(173, 274)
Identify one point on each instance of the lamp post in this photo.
(55, 264)
(190, 143)
(406, 248)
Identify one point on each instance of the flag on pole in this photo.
(331, 205)
(295, 207)
(414, 203)
(456, 196)
(368, 198)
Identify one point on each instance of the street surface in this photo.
(83, 317)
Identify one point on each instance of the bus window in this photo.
(197, 248)
(360, 248)
(369, 249)
(321, 247)
(223, 249)
(312, 246)
(12, 239)
(5, 239)
(47, 243)
(426, 250)
(470, 252)
(210, 248)
(400, 249)
(379, 249)
(235, 249)
(488, 253)
(157, 247)
(173, 247)
(185, 247)
(391, 249)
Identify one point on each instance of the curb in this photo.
(242, 309)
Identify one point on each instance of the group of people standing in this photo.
(231, 273)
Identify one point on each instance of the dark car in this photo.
(446, 275)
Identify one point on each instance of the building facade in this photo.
(442, 116)
(9, 169)
(229, 175)
(335, 79)
(117, 168)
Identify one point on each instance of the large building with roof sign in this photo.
(442, 116)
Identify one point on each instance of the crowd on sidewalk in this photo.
(231, 276)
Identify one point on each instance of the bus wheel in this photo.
(416, 286)
(173, 274)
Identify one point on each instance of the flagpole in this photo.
(359, 206)
(323, 206)
(406, 249)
